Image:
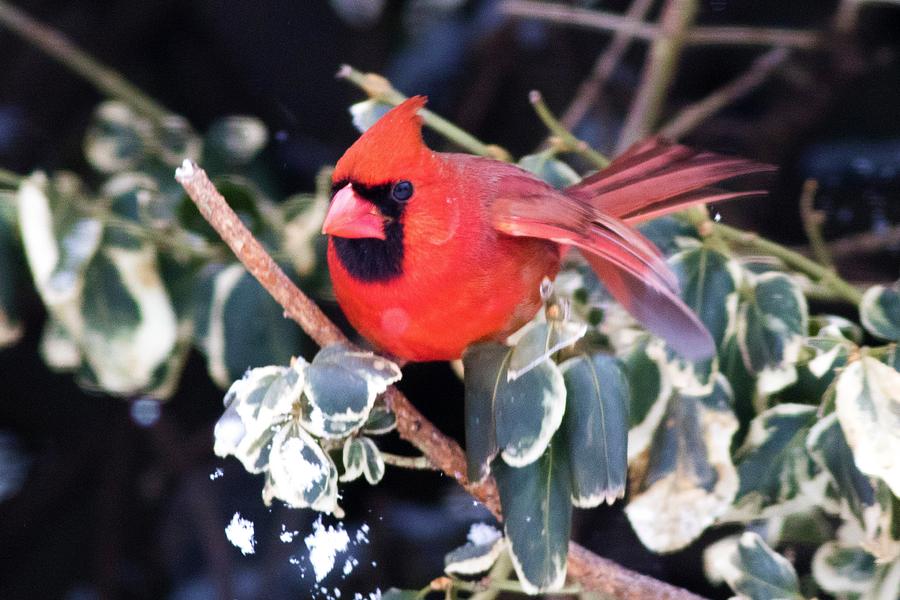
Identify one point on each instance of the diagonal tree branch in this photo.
(591, 571)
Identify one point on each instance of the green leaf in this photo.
(840, 569)
(255, 406)
(354, 456)
(761, 573)
(240, 326)
(395, 594)
(539, 341)
(777, 475)
(596, 428)
(670, 234)
(484, 546)
(709, 280)
(828, 446)
(868, 408)
(482, 365)
(690, 480)
(772, 325)
(373, 463)
(175, 140)
(550, 169)
(526, 411)
(835, 328)
(537, 510)
(879, 311)
(743, 382)
(236, 140)
(300, 473)
(302, 231)
(117, 138)
(11, 328)
(343, 385)
(380, 421)
(366, 113)
(650, 391)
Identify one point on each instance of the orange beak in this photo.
(352, 217)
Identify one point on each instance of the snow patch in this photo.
(240, 533)
(482, 534)
(216, 474)
(324, 543)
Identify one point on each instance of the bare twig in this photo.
(865, 243)
(659, 72)
(691, 116)
(708, 36)
(408, 462)
(592, 572)
(60, 48)
(812, 223)
(591, 88)
(566, 141)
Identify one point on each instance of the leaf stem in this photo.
(60, 48)
(795, 260)
(379, 88)
(812, 223)
(567, 142)
(421, 463)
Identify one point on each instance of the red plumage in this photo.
(462, 258)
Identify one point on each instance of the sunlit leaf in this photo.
(541, 340)
(596, 428)
(761, 573)
(484, 546)
(343, 385)
(690, 480)
(537, 511)
(300, 473)
(777, 475)
(550, 169)
(236, 139)
(879, 311)
(868, 408)
(771, 327)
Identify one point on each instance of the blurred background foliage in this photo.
(105, 498)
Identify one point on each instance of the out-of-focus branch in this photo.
(812, 223)
(565, 140)
(659, 72)
(590, 571)
(591, 88)
(691, 116)
(106, 80)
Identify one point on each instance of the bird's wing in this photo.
(631, 268)
(655, 177)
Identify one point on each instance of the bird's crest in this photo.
(388, 149)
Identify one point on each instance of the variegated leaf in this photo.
(478, 555)
(300, 473)
(879, 311)
(538, 341)
(761, 573)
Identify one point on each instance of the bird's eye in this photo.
(402, 191)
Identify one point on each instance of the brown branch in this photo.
(591, 88)
(691, 116)
(659, 72)
(591, 571)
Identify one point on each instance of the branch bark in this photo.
(591, 571)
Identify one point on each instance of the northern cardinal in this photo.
(430, 252)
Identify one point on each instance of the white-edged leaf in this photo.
(879, 311)
(373, 463)
(868, 408)
(761, 573)
(117, 138)
(481, 376)
(537, 511)
(485, 544)
(541, 340)
(366, 113)
(300, 473)
(302, 230)
(650, 389)
(255, 406)
(777, 476)
(238, 139)
(343, 385)
(354, 457)
(840, 569)
(550, 169)
(380, 421)
(690, 480)
(596, 428)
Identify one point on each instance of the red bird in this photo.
(430, 252)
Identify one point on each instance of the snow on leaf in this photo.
(300, 473)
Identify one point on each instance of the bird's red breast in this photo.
(430, 252)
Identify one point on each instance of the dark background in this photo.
(108, 508)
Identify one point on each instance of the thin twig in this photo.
(567, 142)
(707, 36)
(591, 88)
(812, 223)
(379, 88)
(106, 80)
(691, 116)
(868, 242)
(659, 72)
(590, 571)
(421, 463)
